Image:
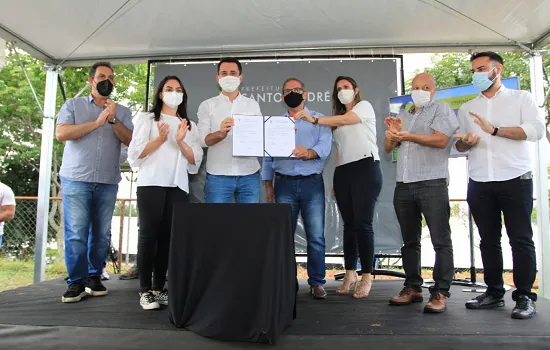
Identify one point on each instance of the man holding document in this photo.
(299, 181)
(228, 177)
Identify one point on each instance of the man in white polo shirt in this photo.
(497, 127)
(228, 178)
(7, 207)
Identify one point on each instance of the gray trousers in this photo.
(430, 198)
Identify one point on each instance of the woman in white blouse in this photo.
(165, 146)
(357, 178)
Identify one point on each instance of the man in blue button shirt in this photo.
(299, 182)
(94, 127)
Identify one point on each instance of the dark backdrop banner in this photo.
(378, 79)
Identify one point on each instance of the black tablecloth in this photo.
(232, 270)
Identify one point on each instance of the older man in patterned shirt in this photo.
(423, 134)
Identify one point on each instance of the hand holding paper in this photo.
(301, 152)
(226, 125)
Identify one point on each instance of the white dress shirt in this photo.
(166, 166)
(357, 141)
(220, 160)
(497, 158)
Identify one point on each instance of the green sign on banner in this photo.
(394, 154)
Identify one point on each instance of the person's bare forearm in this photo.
(7, 215)
(214, 138)
(67, 132)
(462, 146)
(430, 140)
(512, 133)
(312, 154)
(389, 145)
(187, 152)
(123, 133)
(150, 147)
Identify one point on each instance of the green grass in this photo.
(19, 273)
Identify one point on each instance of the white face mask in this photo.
(172, 99)
(229, 83)
(421, 97)
(346, 96)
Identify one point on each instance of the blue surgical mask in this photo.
(481, 80)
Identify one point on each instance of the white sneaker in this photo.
(162, 297)
(148, 302)
(105, 276)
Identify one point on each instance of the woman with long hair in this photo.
(357, 178)
(166, 147)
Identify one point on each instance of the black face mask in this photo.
(104, 87)
(293, 99)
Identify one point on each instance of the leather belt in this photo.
(294, 177)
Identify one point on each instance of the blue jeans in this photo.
(223, 189)
(306, 195)
(88, 207)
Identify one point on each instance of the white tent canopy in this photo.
(79, 32)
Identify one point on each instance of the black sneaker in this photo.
(162, 297)
(74, 293)
(147, 301)
(95, 288)
(484, 301)
(525, 308)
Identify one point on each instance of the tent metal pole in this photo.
(44, 180)
(129, 219)
(541, 182)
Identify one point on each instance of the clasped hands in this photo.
(394, 133)
(108, 114)
(164, 130)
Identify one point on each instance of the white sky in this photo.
(412, 62)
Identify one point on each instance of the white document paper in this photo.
(248, 135)
(280, 137)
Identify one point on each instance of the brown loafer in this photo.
(407, 296)
(318, 292)
(436, 304)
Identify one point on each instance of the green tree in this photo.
(118, 206)
(453, 69)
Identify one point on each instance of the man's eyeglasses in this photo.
(296, 90)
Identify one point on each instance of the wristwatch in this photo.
(495, 132)
(115, 120)
(315, 120)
